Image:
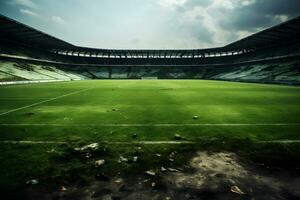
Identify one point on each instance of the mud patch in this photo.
(217, 173)
(220, 175)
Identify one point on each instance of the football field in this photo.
(112, 111)
(40, 124)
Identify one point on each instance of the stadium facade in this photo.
(272, 55)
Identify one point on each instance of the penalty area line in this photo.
(41, 102)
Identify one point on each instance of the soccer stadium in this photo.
(91, 123)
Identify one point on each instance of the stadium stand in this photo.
(272, 56)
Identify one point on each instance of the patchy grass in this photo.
(80, 119)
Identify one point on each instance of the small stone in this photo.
(32, 182)
(172, 154)
(93, 147)
(237, 190)
(153, 184)
(135, 158)
(168, 198)
(63, 188)
(134, 135)
(88, 155)
(158, 155)
(122, 159)
(119, 184)
(151, 173)
(171, 160)
(99, 163)
(178, 137)
(173, 170)
(163, 169)
(119, 181)
(51, 151)
(147, 180)
(195, 117)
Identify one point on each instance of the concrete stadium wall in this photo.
(280, 70)
(29, 82)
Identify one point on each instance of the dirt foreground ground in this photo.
(218, 175)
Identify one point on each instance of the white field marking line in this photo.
(153, 125)
(136, 142)
(102, 142)
(41, 102)
(20, 98)
(31, 142)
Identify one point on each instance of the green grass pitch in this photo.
(156, 110)
(113, 110)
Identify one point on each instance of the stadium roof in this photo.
(10, 28)
(285, 32)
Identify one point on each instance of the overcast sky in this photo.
(150, 24)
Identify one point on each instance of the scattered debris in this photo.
(237, 190)
(88, 155)
(172, 154)
(51, 150)
(119, 181)
(119, 184)
(147, 180)
(62, 188)
(92, 147)
(178, 137)
(122, 159)
(151, 173)
(173, 170)
(32, 182)
(99, 163)
(163, 169)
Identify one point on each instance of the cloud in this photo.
(256, 15)
(156, 23)
(58, 19)
(25, 3)
(218, 22)
(28, 12)
(193, 3)
(172, 3)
